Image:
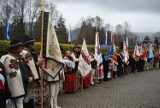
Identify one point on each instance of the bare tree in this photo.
(5, 11)
(54, 13)
(33, 11)
(108, 27)
(119, 30)
(98, 22)
(127, 28)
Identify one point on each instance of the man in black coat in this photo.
(132, 63)
(120, 63)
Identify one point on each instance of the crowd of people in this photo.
(19, 73)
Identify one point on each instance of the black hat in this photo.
(15, 43)
(26, 40)
(76, 46)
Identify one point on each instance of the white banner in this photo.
(54, 61)
(84, 66)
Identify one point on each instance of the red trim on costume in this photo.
(2, 86)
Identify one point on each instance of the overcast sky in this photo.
(142, 15)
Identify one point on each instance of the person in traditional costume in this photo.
(99, 73)
(87, 81)
(105, 65)
(2, 87)
(120, 63)
(32, 63)
(93, 66)
(75, 55)
(18, 74)
(156, 59)
(70, 83)
(114, 68)
(54, 83)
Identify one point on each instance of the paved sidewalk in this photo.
(140, 90)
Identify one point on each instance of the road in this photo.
(140, 90)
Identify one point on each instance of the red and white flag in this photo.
(97, 44)
(98, 55)
(143, 52)
(84, 66)
(136, 53)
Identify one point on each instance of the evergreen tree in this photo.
(61, 30)
(88, 28)
(18, 29)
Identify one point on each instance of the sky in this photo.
(142, 15)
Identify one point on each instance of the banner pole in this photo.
(81, 81)
(123, 55)
(41, 55)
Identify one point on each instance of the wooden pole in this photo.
(81, 83)
(41, 55)
(112, 70)
(123, 56)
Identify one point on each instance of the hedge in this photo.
(5, 44)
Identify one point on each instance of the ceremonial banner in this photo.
(114, 56)
(69, 35)
(136, 52)
(97, 45)
(53, 57)
(8, 30)
(84, 66)
(106, 39)
(143, 52)
(151, 55)
(125, 52)
(111, 51)
(98, 55)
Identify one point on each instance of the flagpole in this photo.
(41, 55)
(123, 56)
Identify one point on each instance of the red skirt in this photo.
(70, 83)
(87, 80)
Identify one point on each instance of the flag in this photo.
(84, 66)
(53, 57)
(112, 38)
(98, 55)
(114, 56)
(127, 44)
(69, 35)
(125, 52)
(143, 52)
(111, 51)
(151, 55)
(106, 39)
(136, 52)
(97, 44)
(8, 31)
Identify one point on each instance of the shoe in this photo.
(85, 87)
(92, 84)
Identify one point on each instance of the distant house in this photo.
(147, 40)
